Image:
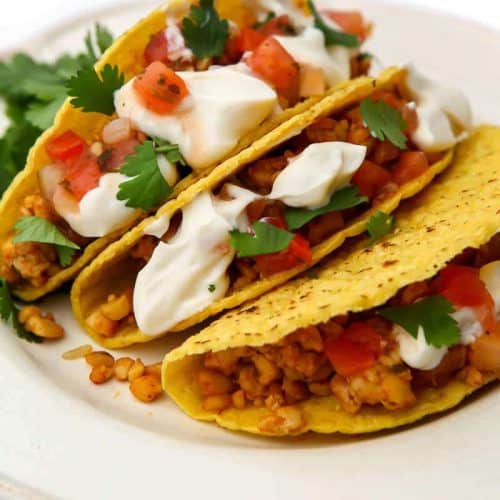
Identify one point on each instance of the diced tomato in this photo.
(156, 49)
(280, 25)
(411, 164)
(66, 147)
(276, 66)
(83, 175)
(385, 152)
(370, 178)
(463, 287)
(298, 252)
(114, 158)
(355, 350)
(160, 89)
(350, 21)
(249, 39)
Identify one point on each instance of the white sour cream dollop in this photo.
(313, 176)
(187, 274)
(444, 114)
(99, 212)
(222, 107)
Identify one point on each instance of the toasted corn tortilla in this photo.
(114, 269)
(460, 210)
(128, 54)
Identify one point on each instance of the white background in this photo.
(22, 19)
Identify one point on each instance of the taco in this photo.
(274, 210)
(202, 82)
(380, 337)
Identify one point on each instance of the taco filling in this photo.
(431, 332)
(270, 217)
(207, 85)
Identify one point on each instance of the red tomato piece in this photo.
(66, 147)
(156, 49)
(463, 287)
(83, 175)
(280, 25)
(275, 65)
(370, 178)
(249, 39)
(350, 21)
(355, 350)
(160, 89)
(411, 164)
(299, 252)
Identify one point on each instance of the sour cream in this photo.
(187, 274)
(222, 107)
(416, 352)
(99, 211)
(281, 8)
(313, 176)
(444, 114)
(308, 49)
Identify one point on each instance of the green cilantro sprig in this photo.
(39, 230)
(342, 199)
(204, 31)
(332, 36)
(94, 93)
(384, 122)
(9, 312)
(432, 314)
(379, 225)
(33, 92)
(147, 188)
(265, 240)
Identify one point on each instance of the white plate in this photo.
(63, 436)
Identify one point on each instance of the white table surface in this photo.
(22, 19)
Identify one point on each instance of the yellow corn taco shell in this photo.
(113, 270)
(461, 210)
(126, 53)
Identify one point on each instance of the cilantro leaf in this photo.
(266, 239)
(205, 32)
(8, 313)
(346, 197)
(147, 188)
(379, 225)
(432, 314)
(41, 114)
(384, 122)
(94, 93)
(39, 230)
(332, 36)
(212, 288)
(171, 151)
(104, 38)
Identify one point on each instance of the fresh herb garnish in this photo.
(212, 288)
(94, 93)
(342, 199)
(384, 122)
(33, 92)
(265, 240)
(9, 312)
(204, 31)
(39, 230)
(147, 188)
(332, 36)
(432, 314)
(379, 225)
